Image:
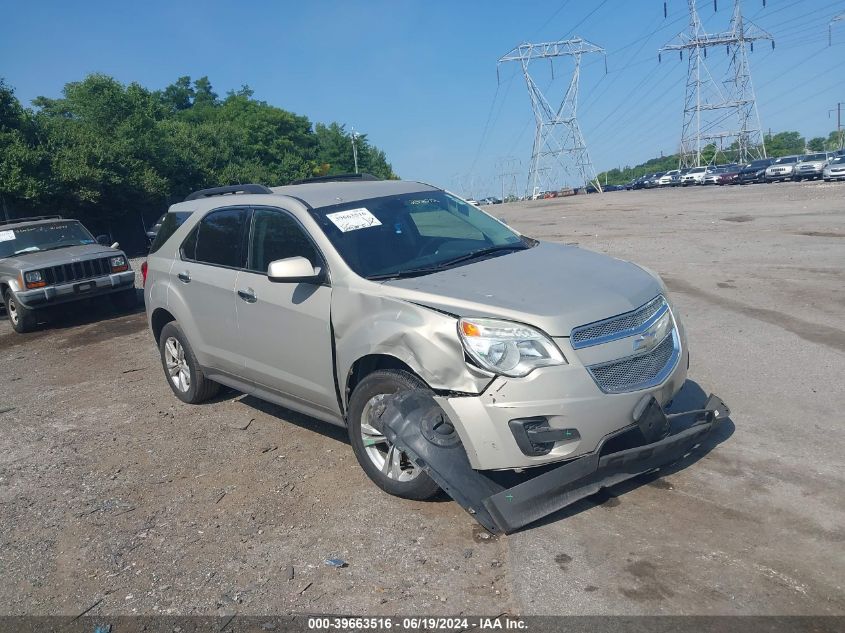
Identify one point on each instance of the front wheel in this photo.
(22, 318)
(388, 468)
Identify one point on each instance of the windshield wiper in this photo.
(481, 253)
(401, 274)
(416, 272)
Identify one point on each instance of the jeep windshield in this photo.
(414, 234)
(47, 236)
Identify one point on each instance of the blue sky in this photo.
(420, 77)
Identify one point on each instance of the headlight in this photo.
(118, 263)
(507, 348)
(34, 279)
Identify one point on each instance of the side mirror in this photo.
(103, 240)
(294, 270)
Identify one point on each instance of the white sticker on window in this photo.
(7, 236)
(353, 219)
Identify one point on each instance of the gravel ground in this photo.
(113, 490)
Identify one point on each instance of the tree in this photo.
(116, 155)
(816, 144)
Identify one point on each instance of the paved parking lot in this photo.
(111, 490)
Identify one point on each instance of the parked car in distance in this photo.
(729, 176)
(711, 175)
(153, 230)
(47, 261)
(695, 176)
(755, 171)
(329, 297)
(811, 166)
(834, 169)
(671, 178)
(781, 169)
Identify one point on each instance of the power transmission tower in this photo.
(707, 107)
(508, 170)
(558, 135)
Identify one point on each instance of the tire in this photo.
(189, 384)
(125, 300)
(22, 318)
(402, 479)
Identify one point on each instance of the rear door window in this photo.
(218, 239)
(169, 224)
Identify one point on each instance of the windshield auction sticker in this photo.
(7, 236)
(353, 219)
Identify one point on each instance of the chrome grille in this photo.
(77, 271)
(619, 326)
(641, 371)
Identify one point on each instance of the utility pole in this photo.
(557, 134)
(355, 149)
(703, 122)
(836, 18)
(840, 136)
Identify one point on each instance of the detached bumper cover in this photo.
(507, 501)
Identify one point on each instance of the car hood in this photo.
(552, 286)
(29, 261)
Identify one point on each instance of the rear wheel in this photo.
(22, 318)
(389, 468)
(184, 375)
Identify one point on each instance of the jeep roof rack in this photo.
(229, 189)
(34, 218)
(335, 178)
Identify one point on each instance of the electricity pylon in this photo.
(707, 107)
(508, 169)
(558, 135)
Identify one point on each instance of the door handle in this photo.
(248, 295)
(184, 277)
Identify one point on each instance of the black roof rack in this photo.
(335, 178)
(229, 189)
(34, 218)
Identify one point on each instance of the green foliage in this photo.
(116, 155)
(784, 144)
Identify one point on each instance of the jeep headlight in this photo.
(118, 263)
(507, 348)
(34, 279)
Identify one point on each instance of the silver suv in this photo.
(47, 261)
(329, 297)
(811, 166)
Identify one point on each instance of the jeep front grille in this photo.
(77, 271)
(641, 371)
(620, 326)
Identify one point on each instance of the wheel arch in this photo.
(160, 317)
(369, 363)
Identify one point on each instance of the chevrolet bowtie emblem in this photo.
(645, 342)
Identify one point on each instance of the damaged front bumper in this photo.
(507, 501)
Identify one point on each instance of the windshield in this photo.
(696, 170)
(838, 161)
(43, 237)
(812, 157)
(414, 234)
(786, 159)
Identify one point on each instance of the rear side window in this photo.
(276, 235)
(218, 239)
(169, 224)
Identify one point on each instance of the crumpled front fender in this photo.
(423, 338)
